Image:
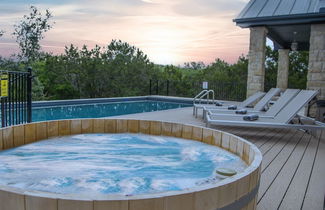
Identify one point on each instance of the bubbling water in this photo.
(120, 164)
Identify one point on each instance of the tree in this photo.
(271, 68)
(116, 70)
(30, 31)
(194, 65)
(298, 69)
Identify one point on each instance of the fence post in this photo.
(2, 112)
(29, 95)
(167, 90)
(157, 86)
(150, 87)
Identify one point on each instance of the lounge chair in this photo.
(282, 119)
(249, 101)
(260, 106)
(282, 101)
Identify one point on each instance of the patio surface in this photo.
(293, 168)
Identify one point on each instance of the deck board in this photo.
(268, 134)
(272, 140)
(281, 182)
(277, 148)
(316, 185)
(293, 168)
(294, 196)
(270, 172)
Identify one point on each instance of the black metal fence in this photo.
(16, 97)
(223, 90)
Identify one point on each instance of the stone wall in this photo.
(256, 64)
(316, 67)
(283, 69)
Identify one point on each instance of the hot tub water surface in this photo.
(121, 164)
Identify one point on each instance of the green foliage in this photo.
(9, 64)
(194, 65)
(120, 69)
(116, 70)
(29, 31)
(298, 69)
(271, 68)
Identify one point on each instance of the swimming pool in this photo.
(97, 110)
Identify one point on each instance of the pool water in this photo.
(114, 164)
(101, 110)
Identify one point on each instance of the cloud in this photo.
(208, 7)
(169, 31)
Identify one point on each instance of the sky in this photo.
(168, 31)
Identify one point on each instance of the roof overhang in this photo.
(281, 20)
(281, 29)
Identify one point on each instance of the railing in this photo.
(234, 91)
(204, 93)
(16, 97)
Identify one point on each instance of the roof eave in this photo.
(281, 20)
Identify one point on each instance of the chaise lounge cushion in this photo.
(251, 117)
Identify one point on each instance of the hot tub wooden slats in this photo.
(111, 205)
(12, 201)
(207, 136)
(64, 127)
(41, 131)
(110, 126)
(99, 125)
(75, 126)
(177, 130)
(146, 204)
(87, 126)
(75, 205)
(133, 126)
(166, 129)
(187, 131)
(155, 128)
(144, 127)
(121, 126)
(240, 192)
(52, 129)
(7, 138)
(19, 135)
(37, 203)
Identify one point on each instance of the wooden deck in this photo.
(293, 167)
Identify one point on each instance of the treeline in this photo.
(120, 69)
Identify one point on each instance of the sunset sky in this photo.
(168, 31)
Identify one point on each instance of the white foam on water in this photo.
(157, 139)
(160, 184)
(190, 153)
(129, 186)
